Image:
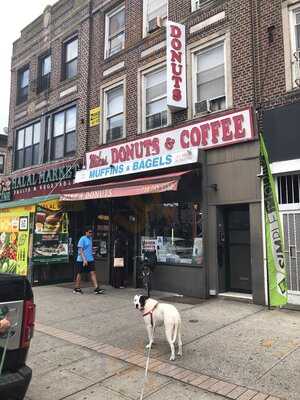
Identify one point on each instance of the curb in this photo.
(204, 382)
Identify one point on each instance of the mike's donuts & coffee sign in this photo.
(172, 148)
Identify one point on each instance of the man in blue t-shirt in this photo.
(85, 262)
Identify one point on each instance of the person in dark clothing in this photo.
(119, 259)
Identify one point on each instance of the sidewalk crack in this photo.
(278, 362)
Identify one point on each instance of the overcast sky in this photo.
(15, 15)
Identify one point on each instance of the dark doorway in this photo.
(234, 241)
(124, 223)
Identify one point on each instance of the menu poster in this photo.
(14, 239)
(50, 238)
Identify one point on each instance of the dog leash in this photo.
(151, 313)
(147, 366)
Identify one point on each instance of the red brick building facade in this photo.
(237, 58)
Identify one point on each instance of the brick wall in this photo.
(271, 63)
(67, 17)
(258, 67)
(238, 22)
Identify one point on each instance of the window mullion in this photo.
(65, 127)
(156, 99)
(114, 115)
(51, 138)
(32, 139)
(116, 34)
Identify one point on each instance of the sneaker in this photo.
(98, 291)
(77, 291)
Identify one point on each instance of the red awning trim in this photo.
(134, 187)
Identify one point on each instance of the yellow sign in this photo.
(95, 116)
(14, 241)
(53, 205)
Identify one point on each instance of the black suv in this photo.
(16, 304)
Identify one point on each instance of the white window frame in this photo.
(66, 62)
(107, 22)
(3, 155)
(193, 50)
(288, 8)
(103, 95)
(20, 88)
(194, 2)
(142, 103)
(31, 146)
(292, 21)
(145, 17)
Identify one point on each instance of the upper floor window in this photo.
(27, 146)
(209, 79)
(23, 84)
(114, 113)
(70, 58)
(196, 4)
(155, 14)
(60, 138)
(114, 31)
(44, 72)
(2, 163)
(155, 113)
(295, 44)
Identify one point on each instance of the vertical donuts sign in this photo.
(176, 66)
(50, 238)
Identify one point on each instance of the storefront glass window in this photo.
(174, 232)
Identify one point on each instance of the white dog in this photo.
(156, 314)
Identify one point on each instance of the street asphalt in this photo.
(239, 343)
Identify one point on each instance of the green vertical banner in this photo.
(274, 238)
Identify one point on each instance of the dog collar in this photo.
(150, 313)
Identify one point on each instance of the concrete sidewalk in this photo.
(230, 343)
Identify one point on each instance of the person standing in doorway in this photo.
(119, 260)
(85, 262)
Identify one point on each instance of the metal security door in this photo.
(238, 258)
(291, 227)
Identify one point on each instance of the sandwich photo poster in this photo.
(50, 234)
(14, 240)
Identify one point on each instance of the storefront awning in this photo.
(133, 187)
(28, 202)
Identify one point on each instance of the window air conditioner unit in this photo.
(197, 4)
(202, 107)
(207, 106)
(217, 103)
(154, 24)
